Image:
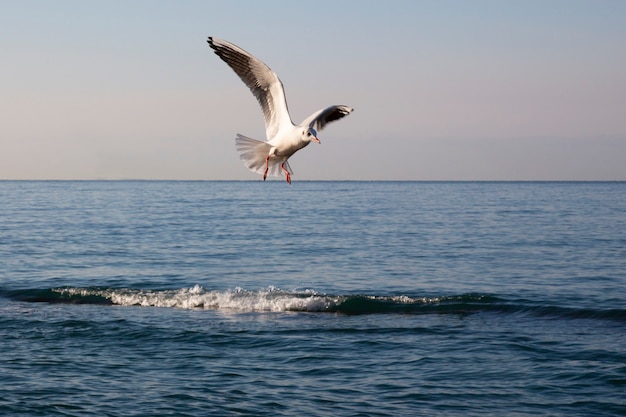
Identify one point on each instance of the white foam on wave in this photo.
(270, 299)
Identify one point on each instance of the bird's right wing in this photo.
(322, 117)
(260, 79)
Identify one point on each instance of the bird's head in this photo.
(310, 135)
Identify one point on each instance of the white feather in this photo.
(253, 153)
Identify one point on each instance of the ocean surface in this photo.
(151, 298)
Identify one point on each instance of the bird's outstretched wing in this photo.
(260, 79)
(322, 117)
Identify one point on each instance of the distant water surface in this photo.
(320, 298)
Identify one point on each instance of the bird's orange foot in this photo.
(267, 167)
(287, 174)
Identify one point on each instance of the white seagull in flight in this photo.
(284, 138)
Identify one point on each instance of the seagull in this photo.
(284, 138)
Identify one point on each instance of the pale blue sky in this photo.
(442, 90)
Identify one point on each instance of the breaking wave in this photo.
(273, 299)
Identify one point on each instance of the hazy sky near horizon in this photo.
(442, 90)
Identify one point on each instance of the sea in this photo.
(252, 298)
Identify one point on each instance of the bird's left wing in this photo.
(322, 117)
(260, 79)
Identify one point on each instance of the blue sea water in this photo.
(149, 298)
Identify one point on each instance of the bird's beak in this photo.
(316, 140)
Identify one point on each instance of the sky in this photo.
(442, 90)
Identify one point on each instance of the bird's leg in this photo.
(267, 161)
(287, 174)
(267, 166)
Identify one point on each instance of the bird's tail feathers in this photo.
(253, 153)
